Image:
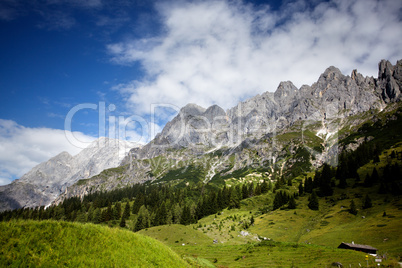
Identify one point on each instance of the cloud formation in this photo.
(22, 148)
(225, 51)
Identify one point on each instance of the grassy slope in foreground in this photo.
(51, 243)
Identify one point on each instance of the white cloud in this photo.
(4, 181)
(22, 148)
(222, 52)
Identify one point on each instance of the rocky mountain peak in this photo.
(330, 74)
(214, 111)
(389, 80)
(285, 90)
(192, 109)
(101, 142)
(385, 69)
(62, 156)
(42, 184)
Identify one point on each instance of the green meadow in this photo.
(64, 244)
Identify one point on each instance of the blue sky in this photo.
(133, 56)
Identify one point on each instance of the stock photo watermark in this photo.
(209, 133)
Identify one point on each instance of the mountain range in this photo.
(46, 181)
(279, 131)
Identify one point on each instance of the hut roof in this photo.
(358, 246)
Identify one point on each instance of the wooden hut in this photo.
(357, 247)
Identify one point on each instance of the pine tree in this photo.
(96, 218)
(374, 176)
(186, 216)
(118, 210)
(342, 182)
(352, 168)
(126, 213)
(308, 185)
(356, 177)
(324, 181)
(200, 210)
(279, 184)
(81, 217)
(301, 189)
(139, 201)
(368, 182)
(264, 187)
(176, 213)
(250, 190)
(292, 203)
(219, 200)
(386, 177)
(234, 200)
(108, 215)
(162, 214)
(367, 202)
(226, 196)
(313, 201)
(244, 191)
(103, 216)
(90, 214)
(280, 199)
(169, 217)
(342, 170)
(395, 172)
(316, 179)
(115, 213)
(352, 208)
(122, 222)
(257, 190)
(277, 200)
(155, 217)
(143, 219)
(270, 186)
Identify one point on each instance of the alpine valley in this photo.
(293, 172)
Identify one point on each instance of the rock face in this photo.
(390, 81)
(333, 96)
(45, 182)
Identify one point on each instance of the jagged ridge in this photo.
(255, 129)
(45, 182)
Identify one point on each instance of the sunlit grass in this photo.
(55, 244)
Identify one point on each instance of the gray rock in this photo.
(45, 182)
(389, 80)
(249, 129)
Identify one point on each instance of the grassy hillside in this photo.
(176, 234)
(297, 237)
(333, 224)
(55, 244)
(199, 249)
(272, 254)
